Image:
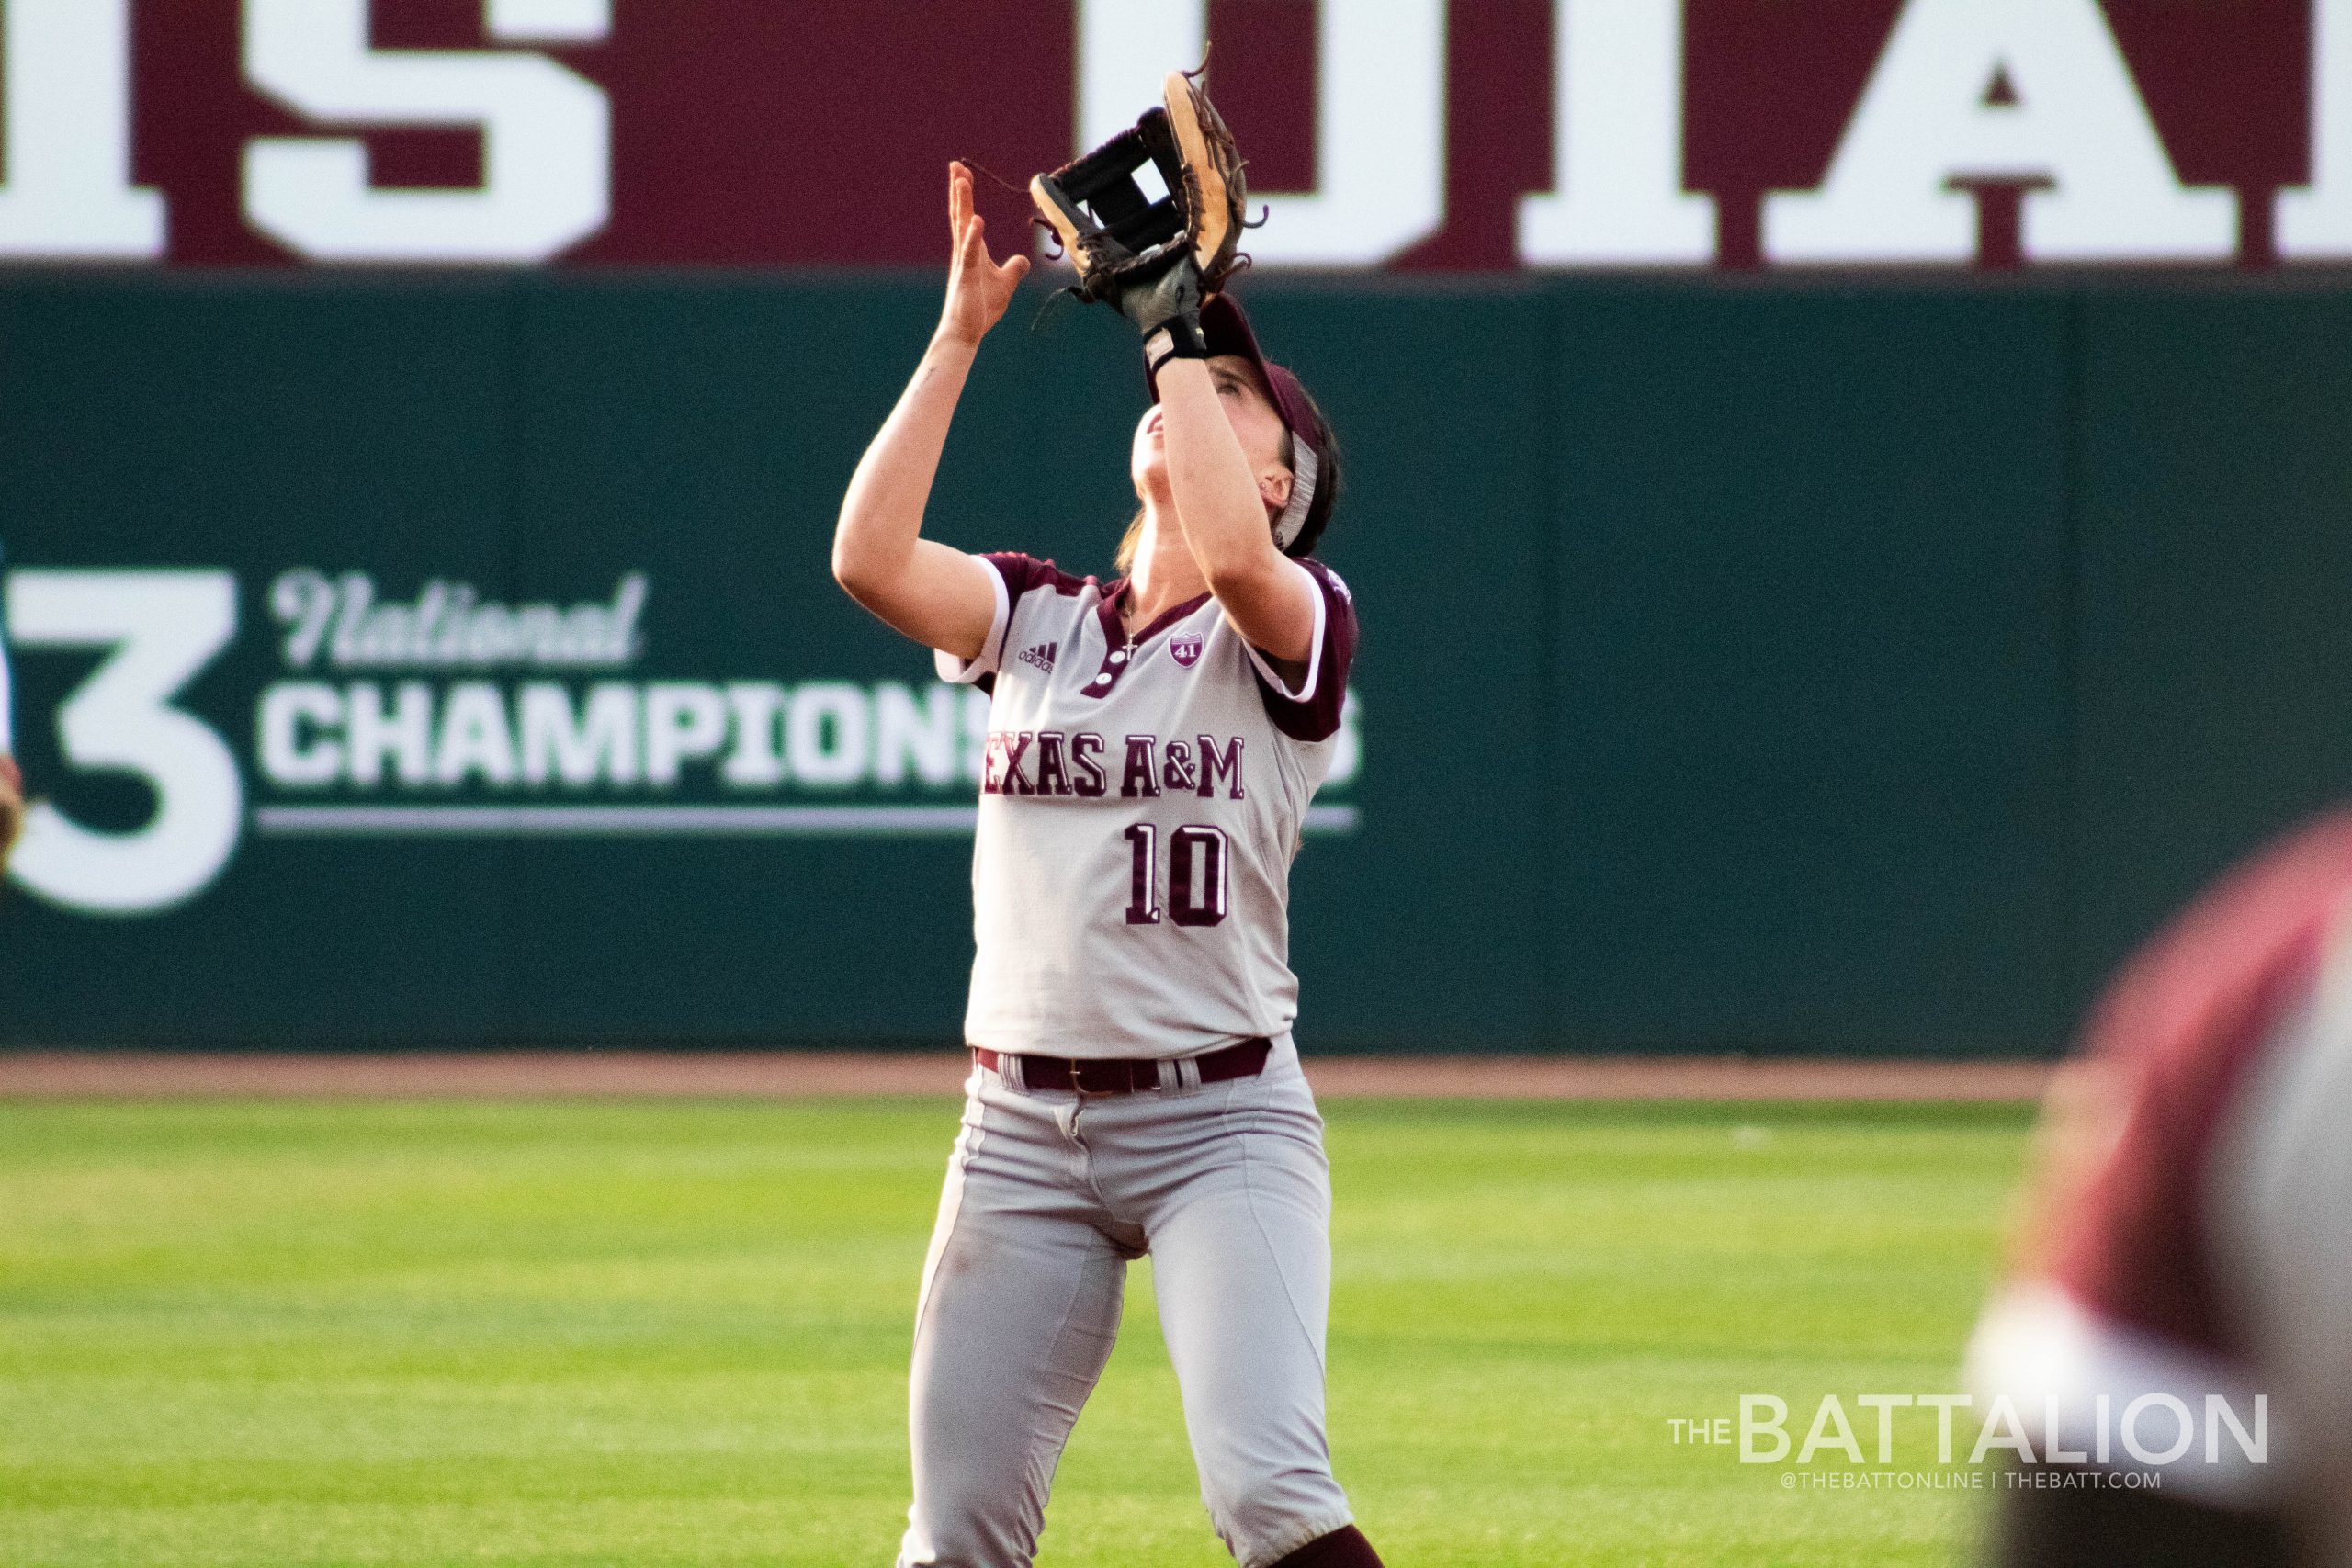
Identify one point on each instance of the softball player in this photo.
(1153, 745)
(2192, 1253)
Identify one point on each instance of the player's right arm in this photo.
(941, 597)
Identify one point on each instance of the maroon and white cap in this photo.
(1226, 331)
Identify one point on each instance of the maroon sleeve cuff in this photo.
(1015, 574)
(1310, 711)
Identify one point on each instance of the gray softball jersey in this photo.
(1140, 804)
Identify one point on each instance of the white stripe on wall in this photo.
(642, 821)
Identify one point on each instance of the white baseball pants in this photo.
(1050, 1196)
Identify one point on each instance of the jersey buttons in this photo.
(1114, 664)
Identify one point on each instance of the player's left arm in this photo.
(1222, 507)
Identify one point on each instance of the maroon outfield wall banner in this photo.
(1408, 134)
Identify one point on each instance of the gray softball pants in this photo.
(1050, 1196)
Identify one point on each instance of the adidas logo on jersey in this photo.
(1040, 656)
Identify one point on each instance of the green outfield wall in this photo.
(1789, 668)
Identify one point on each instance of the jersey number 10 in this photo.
(1195, 876)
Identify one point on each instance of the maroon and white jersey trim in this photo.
(2278, 1225)
(1305, 692)
(2207, 1253)
(2177, 1037)
(2072, 1377)
(1311, 710)
(965, 672)
(1012, 575)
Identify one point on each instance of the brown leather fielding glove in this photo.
(1153, 261)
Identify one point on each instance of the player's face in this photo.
(1248, 408)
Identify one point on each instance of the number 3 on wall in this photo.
(164, 626)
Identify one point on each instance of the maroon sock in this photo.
(1343, 1548)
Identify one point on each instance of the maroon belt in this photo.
(1246, 1060)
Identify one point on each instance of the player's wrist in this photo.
(1166, 310)
(1177, 340)
(954, 342)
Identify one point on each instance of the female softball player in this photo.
(1153, 743)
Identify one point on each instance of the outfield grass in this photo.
(641, 1333)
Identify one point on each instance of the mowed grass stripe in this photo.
(662, 1331)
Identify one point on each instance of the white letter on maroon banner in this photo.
(546, 130)
(2078, 122)
(1380, 117)
(1617, 144)
(2315, 222)
(67, 94)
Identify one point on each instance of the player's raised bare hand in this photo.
(979, 289)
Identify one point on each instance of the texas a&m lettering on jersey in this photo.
(1141, 799)
(1071, 766)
